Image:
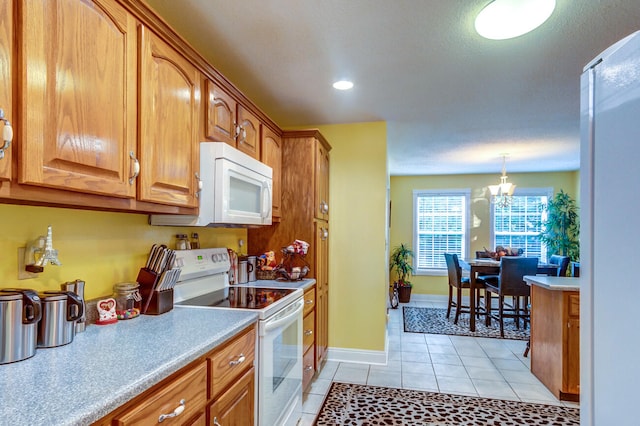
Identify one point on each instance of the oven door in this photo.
(280, 368)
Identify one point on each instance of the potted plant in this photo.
(561, 229)
(400, 263)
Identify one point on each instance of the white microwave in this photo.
(236, 190)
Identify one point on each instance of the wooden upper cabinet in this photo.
(271, 155)
(322, 181)
(248, 140)
(78, 95)
(220, 125)
(169, 111)
(6, 61)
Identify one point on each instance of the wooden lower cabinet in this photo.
(309, 337)
(235, 407)
(555, 340)
(216, 389)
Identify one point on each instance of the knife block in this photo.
(153, 302)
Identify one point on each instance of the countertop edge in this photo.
(554, 283)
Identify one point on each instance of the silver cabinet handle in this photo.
(324, 207)
(308, 332)
(309, 301)
(179, 409)
(308, 368)
(215, 422)
(135, 168)
(199, 185)
(324, 234)
(7, 134)
(240, 360)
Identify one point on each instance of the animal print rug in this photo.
(434, 321)
(351, 404)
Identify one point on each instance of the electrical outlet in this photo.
(22, 273)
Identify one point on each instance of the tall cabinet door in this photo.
(6, 61)
(249, 138)
(169, 105)
(322, 290)
(322, 182)
(78, 114)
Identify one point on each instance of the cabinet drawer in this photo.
(309, 300)
(308, 331)
(228, 363)
(308, 369)
(574, 305)
(190, 387)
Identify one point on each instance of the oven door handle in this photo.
(287, 319)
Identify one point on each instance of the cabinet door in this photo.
(322, 182)
(78, 117)
(248, 140)
(6, 61)
(169, 105)
(571, 349)
(322, 291)
(271, 155)
(235, 406)
(221, 115)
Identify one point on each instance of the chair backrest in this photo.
(512, 269)
(563, 261)
(453, 269)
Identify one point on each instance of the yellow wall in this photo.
(402, 209)
(97, 247)
(357, 259)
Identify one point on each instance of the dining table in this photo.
(488, 266)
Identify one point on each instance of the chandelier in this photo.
(502, 194)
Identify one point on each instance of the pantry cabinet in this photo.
(271, 155)
(78, 96)
(169, 123)
(6, 64)
(304, 216)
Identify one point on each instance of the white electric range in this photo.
(204, 283)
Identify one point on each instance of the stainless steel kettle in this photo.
(20, 311)
(60, 311)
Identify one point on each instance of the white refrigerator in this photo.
(610, 236)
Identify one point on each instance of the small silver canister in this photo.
(243, 271)
(252, 263)
(60, 311)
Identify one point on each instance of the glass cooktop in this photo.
(239, 297)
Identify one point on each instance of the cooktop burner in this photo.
(239, 297)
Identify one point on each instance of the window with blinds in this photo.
(441, 225)
(519, 225)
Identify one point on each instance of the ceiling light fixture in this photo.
(343, 85)
(502, 194)
(503, 19)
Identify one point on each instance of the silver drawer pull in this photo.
(215, 422)
(175, 413)
(309, 301)
(308, 332)
(308, 368)
(240, 360)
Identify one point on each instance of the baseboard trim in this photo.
(428, 298)
(358, 356)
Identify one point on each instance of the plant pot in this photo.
(404, 294)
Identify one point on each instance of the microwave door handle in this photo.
(268, 200)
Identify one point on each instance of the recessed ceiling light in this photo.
(343, 85)
(503, 19)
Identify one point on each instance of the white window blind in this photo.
(440, 226)
(519, 225)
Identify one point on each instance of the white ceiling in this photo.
(453, 101)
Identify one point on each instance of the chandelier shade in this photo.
(502, 193)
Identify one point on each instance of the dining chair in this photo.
(510, 284)
(459, 283)
(562, 261)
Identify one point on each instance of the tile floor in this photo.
(485, 367)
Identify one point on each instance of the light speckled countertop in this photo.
(106, 366)
(304, 284)
(554, 283)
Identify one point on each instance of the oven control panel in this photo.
(202, 262)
